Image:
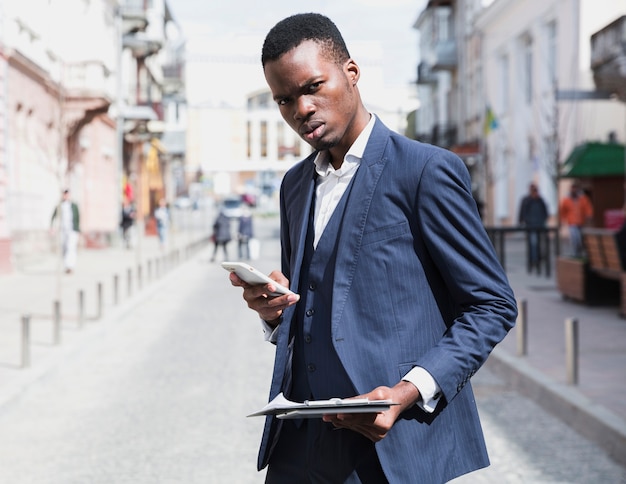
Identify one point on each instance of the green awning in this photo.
(590, 160)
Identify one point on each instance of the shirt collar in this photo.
(352, 158)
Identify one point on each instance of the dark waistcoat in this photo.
(317, 372)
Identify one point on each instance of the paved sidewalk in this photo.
(33, 291)
(596, 406)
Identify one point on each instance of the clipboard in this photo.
(286, 409)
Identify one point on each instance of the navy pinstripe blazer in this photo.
(416, 283)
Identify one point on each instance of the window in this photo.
(551, 61)
(527, 68)
(264, 139)
(504, 84)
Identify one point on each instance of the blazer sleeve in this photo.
(466, 261)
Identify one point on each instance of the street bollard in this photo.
(116, 289)
(129, 282)
(522, 327)
(571, 350)
(25, 341)
(56, 310)
(139, 277)
(81, 308)
(100, 302)
(149, 270)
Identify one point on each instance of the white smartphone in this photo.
(254, 277)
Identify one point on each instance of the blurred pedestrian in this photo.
(576, 211)
(162, 216)
(221, 235)
(245, 233)
(128, 219)
(69, 228)
(533, 215)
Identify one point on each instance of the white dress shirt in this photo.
(330, 186)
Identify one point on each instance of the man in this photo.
(128, 219)
(533, 214)
(401, 296)
(69, 229)
(245, 232)
(576, 211)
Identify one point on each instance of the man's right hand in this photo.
(269, 308)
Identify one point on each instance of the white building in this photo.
(532, 50)
(488, 81)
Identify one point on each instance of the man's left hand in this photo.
(375, 426)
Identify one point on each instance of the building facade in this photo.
(492, 81)
(74, 108)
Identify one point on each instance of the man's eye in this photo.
(282, 102)
(315, 86)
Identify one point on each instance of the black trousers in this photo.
(312, 451)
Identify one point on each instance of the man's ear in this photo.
(353, 72)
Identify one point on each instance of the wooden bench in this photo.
(605, 259)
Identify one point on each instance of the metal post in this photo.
(571, 350)
(129, 278)
(100, 303)
(139, 277)
(57, 322)
(522, 327)
(81, 307)
(116, 289)
(149, 270)
(25, 341)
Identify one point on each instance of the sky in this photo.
(234, 29)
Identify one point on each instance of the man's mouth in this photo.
(312, 130)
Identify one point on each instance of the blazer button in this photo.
(310, 312)
(307, 338)
(312, 286)
(310, 367)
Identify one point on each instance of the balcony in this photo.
(134, 17)
(141, 45)
(89, 79)
(445, 55)
(608, 58)
(425, 74)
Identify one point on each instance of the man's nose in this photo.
(304, 107)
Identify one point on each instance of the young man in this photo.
(533, 214)
(401, 296)
(69, 229)
(576, 212)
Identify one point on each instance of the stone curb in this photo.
(588, 418)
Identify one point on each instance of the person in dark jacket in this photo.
(221, 235)
(128, 219)
(244, 234)
(533, 214)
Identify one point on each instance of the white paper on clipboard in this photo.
(285, 409)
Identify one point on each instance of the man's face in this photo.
(317, 97)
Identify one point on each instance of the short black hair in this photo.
(290, 32)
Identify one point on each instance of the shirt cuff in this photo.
(270, 334)
(430, 392)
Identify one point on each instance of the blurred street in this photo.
(157, 390)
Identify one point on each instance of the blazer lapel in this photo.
(351, 231)
(298, 204)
